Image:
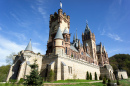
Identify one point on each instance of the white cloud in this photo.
(8, 46)
(114, 36)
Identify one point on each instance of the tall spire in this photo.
(29, 46)
(74, 38)
(87, 29)
(76, 34)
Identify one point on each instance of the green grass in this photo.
(9, 84)
(125, 82)
(87, 84)
(71, 81)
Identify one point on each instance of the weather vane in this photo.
(60, 4)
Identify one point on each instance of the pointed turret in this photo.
(59, 34)
(74, 38)
(65, 31)
(29, 46)
(87, 29)
(76, 35)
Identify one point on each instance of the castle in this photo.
(67, 59)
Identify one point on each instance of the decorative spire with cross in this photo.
(76, 34)
(86, 22)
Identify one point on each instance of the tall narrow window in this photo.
(54, 43)
(62, 42)
(62, 52)
(66, 50)
(66, 39)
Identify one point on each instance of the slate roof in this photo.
(29, 46)
(59, 34)
(87, 55)
(87, 29)
(98, 47)
(73, 48)
(65, 31)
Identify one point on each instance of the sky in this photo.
(22, 20)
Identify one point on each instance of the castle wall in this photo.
(123, 74)
(76, 68)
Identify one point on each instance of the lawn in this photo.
(71, 81)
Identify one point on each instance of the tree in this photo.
(51, 76)
(121, 76)
(33, 79)
(10, 58)
(88, 75)
(95, 76)
(104, 80)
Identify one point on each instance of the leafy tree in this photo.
(109, 82)
(88, 75)
(10, 58)
(4, 72)
(95, 76)
(121, 76)
(33, 79)
(120, 61)
(51, 76)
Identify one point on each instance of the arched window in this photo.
(66, 50)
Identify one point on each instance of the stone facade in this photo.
(67, 59)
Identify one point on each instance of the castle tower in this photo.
(58, 43)
(57, 20)
(89, 38)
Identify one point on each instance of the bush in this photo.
(13, 81)
(51, 76)
(95, 76)
(21, 81)
(109, 82)
(118, 83)
(100, 77)
(88, 75)
(104, 80)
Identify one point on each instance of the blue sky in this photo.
(22, 20)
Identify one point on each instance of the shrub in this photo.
(88, 76)
(95, 76)
(34, 78)
(21, 81)
(109, 82)
(118, 83)
(121, 76)
(13, 81)
(51, 76)
(100, 77)
(104, 80)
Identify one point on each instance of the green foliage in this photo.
(21, 81)
(100, 77)
(33, 79)
(109, 82)
(118, 83)
(120, 61)
(121, 76)
(4, 72)
(13, 81)
(104, 80)
(88, 75)
(51, 76)
(95, 76)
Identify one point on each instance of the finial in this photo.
(60, 4)
(86, 22)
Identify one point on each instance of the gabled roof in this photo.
(65, 31)
(59, 34)
(29, 46)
